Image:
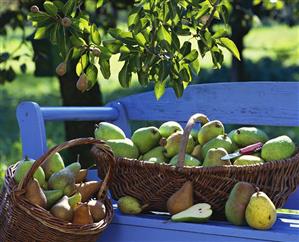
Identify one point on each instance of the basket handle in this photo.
(80, 141)
(198, 117)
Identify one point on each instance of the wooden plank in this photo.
(256, 103)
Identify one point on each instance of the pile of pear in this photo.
(62, 190)
(205, 146)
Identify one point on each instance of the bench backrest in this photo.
(246, 103)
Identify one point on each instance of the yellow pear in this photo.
(181, 199)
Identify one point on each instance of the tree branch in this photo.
(211, 17)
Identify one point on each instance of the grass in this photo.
(270, 56)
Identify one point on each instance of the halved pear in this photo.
(199, 213)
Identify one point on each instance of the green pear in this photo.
(168, 128)
(221, 141)
(157, 153)
(53, 196)
(62, 209)
(209, 131)
(172, 144)
(249, 135)
(74, 167)
(75, 199)
(106, 131)
(278, 148)
(24, 166)
(194, 134)
(53, 164)
(260, 212)
(146, 138)
(123, 148)
(189, 161)
(213, 157)
(237, 202)
(129, 205)
(197, 152)
(198, 213)
(61, 179)
(248, 160)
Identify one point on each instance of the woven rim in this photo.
(43, 215)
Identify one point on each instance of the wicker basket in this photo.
(153, 183)
(21, 221)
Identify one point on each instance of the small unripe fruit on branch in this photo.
(66, 22)
(34, 9)
(96, 52)
(61, 69)
(82, 83)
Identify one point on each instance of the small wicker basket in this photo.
(154, 183)
(21, 221)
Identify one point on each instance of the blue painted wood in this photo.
(79, 113)
(159, 228)
(32, 128)
(257, 103)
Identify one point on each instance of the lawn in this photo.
(269, 56)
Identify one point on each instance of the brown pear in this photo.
(181, 199)
(97, 209)
(87, 189)
(35, 194)
(62, 209)
(81, 176)
(82, 214)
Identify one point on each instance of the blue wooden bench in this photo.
(251, 103)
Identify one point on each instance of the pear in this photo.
(106, 131)
(82, 214)
(209, 131)
(194, 134)
(249, 135)
(53, 164)
(87, 189)
(213, 157)
(123, 148)
(129, 205)
(197, 152)
(181, 199)
(199, 213)
(157, 153)
(279, 148)
(35, 194)
(75, 199)
(97, 209)
(189, 161)
(69, 189)
(61, 179)
(62, 209)
(81, 176)
(237, 202)
(248, 160)
(146, 138)
(260, 212)
(53, 196)
(221, 141)
(24, 166)
(172, 145)
(168, 128)
(74, 167)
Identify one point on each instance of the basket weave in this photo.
(154, 183)
(21, 221)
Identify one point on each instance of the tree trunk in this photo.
(71, 96)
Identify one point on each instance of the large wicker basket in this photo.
(21, 221)
(153, 183)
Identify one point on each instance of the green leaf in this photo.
(40, 33)
(77, 41)
(192, 56)
(125, 75)
(159, 89)
(92, 73)
(100, 3)
(50, 8)
(220, 33)
(69, 7)
(59, 5)
(53, 33)
(186, 48)
(163, 70)
(113, 45)
(95, 35)
(230, 45)
(105, 67)
(195, 66)
(163, 35)
(124, 36)
(134, 17)
(178, 88)
(81, 65)
(124, 49)
(142, 78)
(140, 39)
